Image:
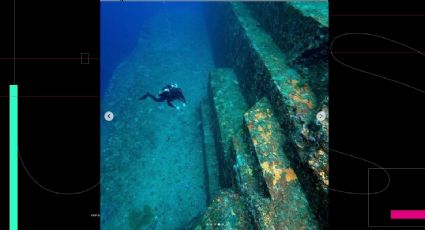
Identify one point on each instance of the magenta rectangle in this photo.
(407, 214)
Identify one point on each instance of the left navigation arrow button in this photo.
(109, 116)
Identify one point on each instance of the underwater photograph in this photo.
(218, 115)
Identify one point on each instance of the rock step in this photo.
(249, 181)
(300, 30)
(295, 26)
(228, 107)
(272, 76)
(318, 10)
(226, 211)
(245, 167)
(210, 154)
(263, 70)
(290, 208)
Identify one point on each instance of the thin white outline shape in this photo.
(19, 154)
(368, 207)
(373, 74)
(379, 76)
(362, 193)
(52, 191)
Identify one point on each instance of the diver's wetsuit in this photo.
(169, 93)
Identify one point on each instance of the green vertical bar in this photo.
(13, 160)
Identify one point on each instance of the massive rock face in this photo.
(270, 108)
(229, 106)
(210, 154)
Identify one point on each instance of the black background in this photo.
(58, 111)
(59, 108)
(372, 118)
(401, 195)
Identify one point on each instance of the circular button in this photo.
(109, 116)
(321, 116)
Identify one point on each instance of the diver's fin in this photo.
(144, 97)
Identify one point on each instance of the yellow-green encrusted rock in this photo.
(290, 208)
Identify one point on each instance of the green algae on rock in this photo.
(279, 156)
(226, 211)
(229, 106)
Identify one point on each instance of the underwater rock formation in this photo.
(289, 207)
(210, 154)
(272, 127)
(293, 27)
(229, 106)
(226, 211)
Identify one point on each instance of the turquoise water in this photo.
(151, 160)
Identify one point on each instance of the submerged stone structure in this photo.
(226, 211)
(269, 105)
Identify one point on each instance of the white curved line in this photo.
(52, 191)
(362, 193)
(367, 72)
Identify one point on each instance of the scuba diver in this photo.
(169, 93)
